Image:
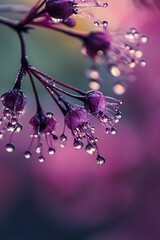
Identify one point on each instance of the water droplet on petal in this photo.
(41, 159)
(27, 154)
(119, 88)
(63, 138)
(51, 151)
(10, 127)
(7, 112)
(1, 121)
(90, 148)
(77, 144)
(10, 147)
(100, 160)
(14, 121)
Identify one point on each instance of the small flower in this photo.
(43, 125)
(108, 113)
(120, 53)
(77, 120)
(64, 9)
(14, 101)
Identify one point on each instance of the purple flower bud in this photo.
(76, 117)
(95, 42)
(60, 9)
(95, 101)
(43, 123)
(14, 100)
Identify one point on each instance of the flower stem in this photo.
(36, 72)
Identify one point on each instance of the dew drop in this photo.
(105, 5)
(90, 148)
(41, 159)
(27, 154)
(51, 150)
(143, 63)
(38, 149)
(144, 39)
(113, 131)
(115, 71)
(92, 73)
(10, 147)
(18, 128)
(119, 115)
(1, 135)
(49, 115)
(96, 23)
(62, 145)
(100, 160)
(63, 138)
(77, 144)
(105, 23)
(138, 54)
(119, 88)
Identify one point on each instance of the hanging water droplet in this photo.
(90, 148)
(144, 39)
(77, 144)
(7, 112)
(1, 121)
(18, 128)
(107, 130)
(119, 115)
(100, 160)
(63, 138)
(10, 127)
(62, 145)
(96, 23)
(13, 121)
(49, 114)
(10, 147)
(38, 149)
(1, 135)
(143, 63)
(119, 88)
(41, 159)
(113, 130)
(27, 154)
(105, 5)
(105, 23)
(115, 71)
(51, 150)
(96, 139)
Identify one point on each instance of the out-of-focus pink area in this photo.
(69, 196)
